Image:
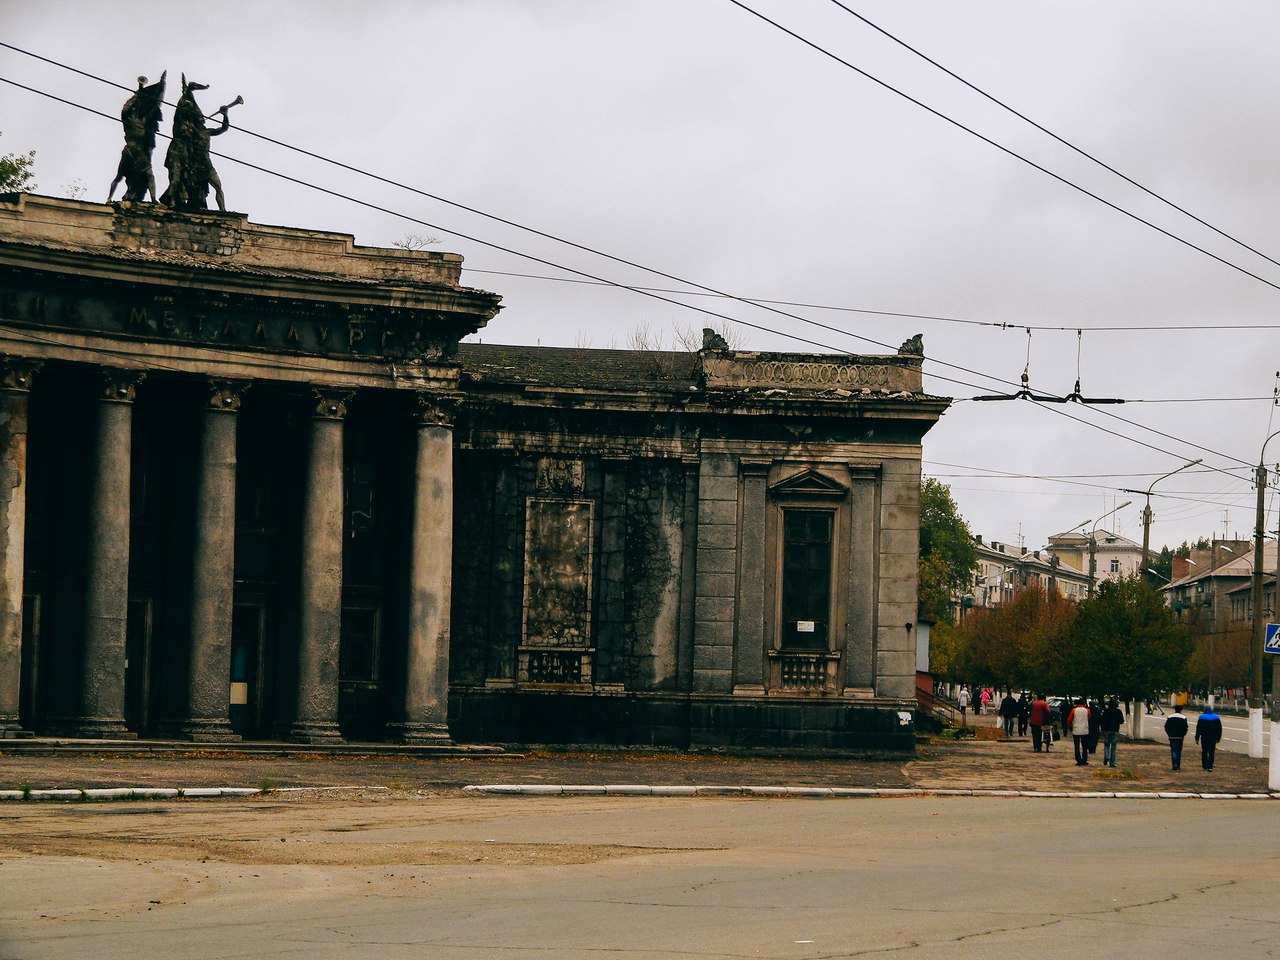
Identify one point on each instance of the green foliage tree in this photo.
(1125, 640)
(16, 172)
(1162, 562)
(948, 557)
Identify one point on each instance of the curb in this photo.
(657, 790)
(160, 793)
(617, 790)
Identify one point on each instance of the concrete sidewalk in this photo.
(941, 767)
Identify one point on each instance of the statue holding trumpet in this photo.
(191, 171)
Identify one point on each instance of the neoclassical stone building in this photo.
(254, 487)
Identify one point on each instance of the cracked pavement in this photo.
(435, 873)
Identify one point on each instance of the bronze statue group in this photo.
(191, 171)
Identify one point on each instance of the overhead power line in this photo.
(1066, 143)
(580, 273)
(1001, 147)
(997, 324)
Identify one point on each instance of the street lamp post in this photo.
(1147, 515)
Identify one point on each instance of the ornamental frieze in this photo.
(775, 371)
(281, 325)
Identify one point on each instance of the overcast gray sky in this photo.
(692, 137)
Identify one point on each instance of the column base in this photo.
(314, 733)
(418, 733)
(206, 731)
(94, 728)
(13, 730)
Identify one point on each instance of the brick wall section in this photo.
(897, 592)
(714, 583)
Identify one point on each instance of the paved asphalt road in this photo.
(466, 877)
(1235, 731)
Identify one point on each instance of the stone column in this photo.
(16, 374)
(106, 604)
(213, 570)
(426, 670)
(320, 587)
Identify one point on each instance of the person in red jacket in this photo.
(1039, 719)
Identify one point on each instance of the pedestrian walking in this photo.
(1095, 717)
(1109, 723)
(1175, 728)
(1008, 713)
(1024, 713)
(984, 700)
(962, 701)
(1208, 733)
(1078, 724)
(1038, 715)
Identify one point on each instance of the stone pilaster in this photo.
(16, 374)
(213, 570)
(426, 669)
(101, 707)
(714, 612)
(753, 567)
(320, 587)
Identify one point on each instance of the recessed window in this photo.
(806, 578)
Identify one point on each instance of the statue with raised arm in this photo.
(141, 118)
(191, 172)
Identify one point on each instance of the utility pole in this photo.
(1257, 697)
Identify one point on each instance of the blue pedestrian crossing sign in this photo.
(1271, 641)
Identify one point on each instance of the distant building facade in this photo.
(255, 487)
(1113, 557)
(1005, 570)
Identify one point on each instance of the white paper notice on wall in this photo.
(804, 626)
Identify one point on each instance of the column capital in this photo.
(17, 373)
(330, 404)
(121, 386)
(226, 394)
(435, 410)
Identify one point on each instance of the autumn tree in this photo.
(1125, 640)
(948, 558)
(1020, 643)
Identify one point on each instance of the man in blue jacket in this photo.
(1208, 733)
(1175, 728)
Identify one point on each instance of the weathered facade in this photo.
(255, 487)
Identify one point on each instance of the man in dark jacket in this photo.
(1024, 711)
(1095, 716)
(1039, 717)
(1175, 728)
(1008, 713)
(1109, 723)
(1208, 733)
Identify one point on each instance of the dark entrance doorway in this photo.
(137, 668)
(248, 712)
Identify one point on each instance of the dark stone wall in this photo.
(637, 544)
(774, 724)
